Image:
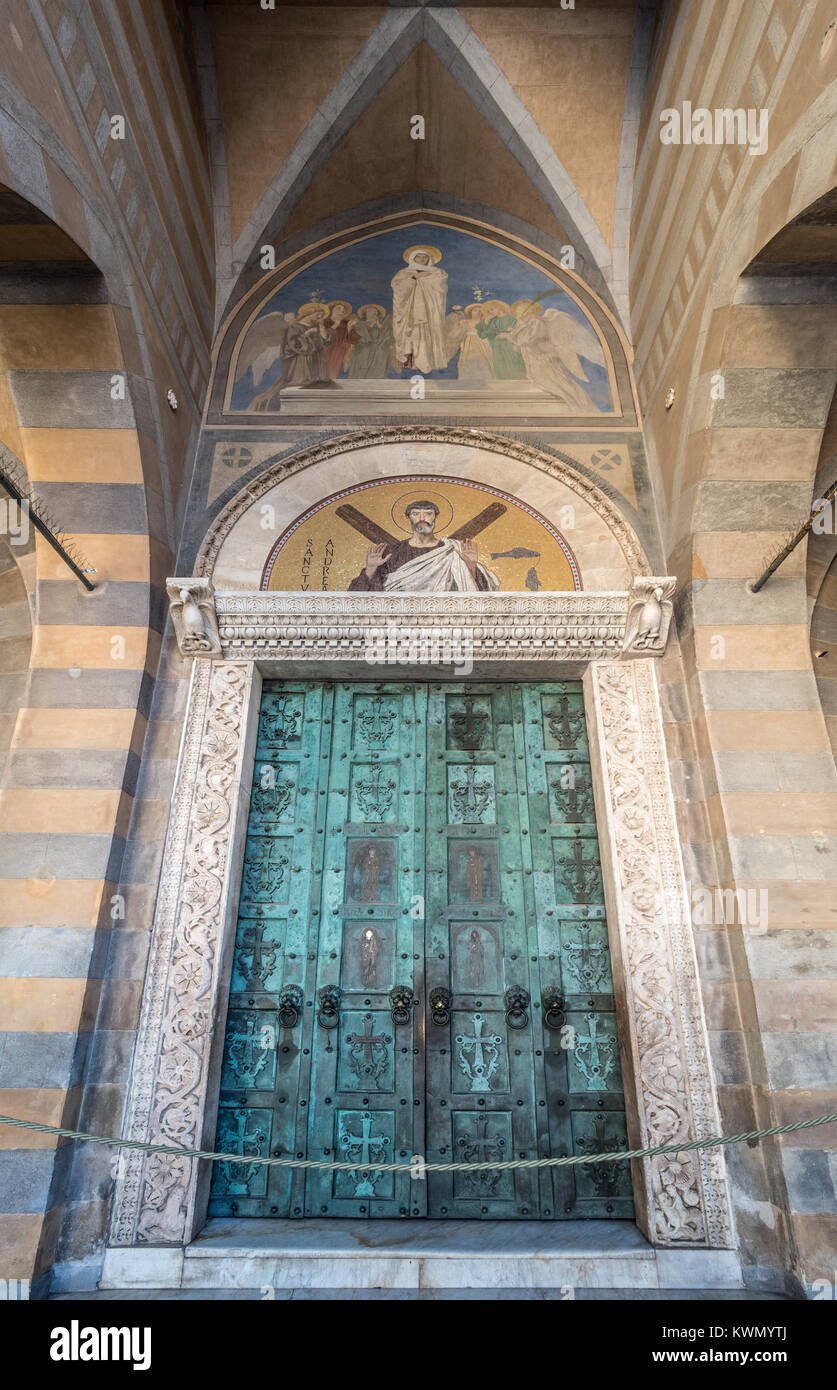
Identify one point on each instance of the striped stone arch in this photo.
(73, 694)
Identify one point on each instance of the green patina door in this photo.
(421, 965)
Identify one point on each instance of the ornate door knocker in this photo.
(401, 1004)
(440, 1006)
(328, 999)
(517, 1002)
(291, 1000)
(554, 1017)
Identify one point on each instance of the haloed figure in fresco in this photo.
(370, 356)
(419, 297)
(424, 563)
(304, 357)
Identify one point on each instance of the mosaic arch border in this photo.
(558, 465)
(682, 1201)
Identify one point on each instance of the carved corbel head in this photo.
(649, 616)
(192, 604)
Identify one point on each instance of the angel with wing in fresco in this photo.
(551, 344)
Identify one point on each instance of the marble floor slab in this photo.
(422, 1239)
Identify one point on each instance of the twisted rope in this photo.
(418, 1166)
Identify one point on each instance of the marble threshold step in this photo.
(380, 1254)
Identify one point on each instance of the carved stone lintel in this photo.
(192, 604)
(681, 1198)
(649, 616)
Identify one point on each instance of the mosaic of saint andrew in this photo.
(421, 533)
(419, 320)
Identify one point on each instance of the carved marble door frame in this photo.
(682, 1200)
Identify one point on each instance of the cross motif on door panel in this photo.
(368, 1054)
(478, 1055)
(365, 1149)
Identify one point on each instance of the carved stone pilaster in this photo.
(682, 1199)
(154, 1201)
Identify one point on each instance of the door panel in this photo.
(397, 829)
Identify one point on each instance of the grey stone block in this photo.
(729, 1058)
(76, 768)
(83, 285)
(810, 1180)
(759, 690)
(51, 857)
(61, 953)
(70, 400)
(801, 1060)
(110, 1056)
(730, 601)
(115, 508)
(41, 1060)
(90, 689)
(25, 1176)
(750, 506)
(109, 604)
(775, 398)
(787, 954)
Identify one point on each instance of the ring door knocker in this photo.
(554, 1017)
(440, 1000)
(291, 1000)
(328, 999)
(517, 1002)
(401, 1004)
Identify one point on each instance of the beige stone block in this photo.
(51, 902)
(90, 648)
(79, 728)
(21, 1234)
(726, 1011)
(782, 335)
(41, 1005)
(766, 454)
(774, 208)
(38, 243)
(64, 812)
(117, 557)
(765, 731)
(46, 1106)
(816, 1238)
(779, 813)
(692, 822)
(714, 347)
(798, 903)
(82, 456)
(59, 337)
(806, 1105)
(742, 554)
(796, 1006)
(767, 647)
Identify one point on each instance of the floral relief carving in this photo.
(170, 1063)
(689, 1201)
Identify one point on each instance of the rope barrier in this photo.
(418, 1167)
